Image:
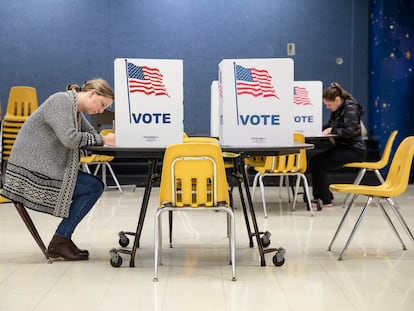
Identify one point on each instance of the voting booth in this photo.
(256, 102)
(148, 102)
(214, 109)
(308, 106)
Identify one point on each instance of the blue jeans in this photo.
(87, 191)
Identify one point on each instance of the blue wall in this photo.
(50, 43)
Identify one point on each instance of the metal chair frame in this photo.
(394, 185)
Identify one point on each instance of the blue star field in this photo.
(392, 69)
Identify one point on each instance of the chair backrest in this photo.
(292, 163)
(255, 161)
(199, 139)
(399, 173)
(303, 162)
(387, 150)
(193, 175)
(22, 101)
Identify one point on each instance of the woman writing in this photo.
(43, 169)
(345, 123)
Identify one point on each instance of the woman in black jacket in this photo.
(345, 122)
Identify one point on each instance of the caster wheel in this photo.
(123, 239)
(116, 260)
(279, 257)
(266, 239)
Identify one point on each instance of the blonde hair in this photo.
(100, 86)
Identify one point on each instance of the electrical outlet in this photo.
(291, 49)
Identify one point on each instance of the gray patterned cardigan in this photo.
(43, 166)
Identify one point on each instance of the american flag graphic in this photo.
(256, 82)
(301, 96)
(146, 80)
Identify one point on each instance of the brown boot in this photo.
(78, 250)
(60, 247)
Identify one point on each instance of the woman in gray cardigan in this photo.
(43, 169)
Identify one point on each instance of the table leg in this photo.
(152, 177)
(240, 180)
(116, 260)
(279, 257)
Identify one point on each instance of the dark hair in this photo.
(334, 90)
(99, 85)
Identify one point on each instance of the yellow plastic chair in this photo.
(373, 166)
(101, 162)
(9, 133)
(193, 178)
(394, 185)
(285, 165)
(260, 161)
(21, 104)
(252, 162)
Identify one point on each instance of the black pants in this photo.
(330, 160)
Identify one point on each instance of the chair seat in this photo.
(384, 190)
(366, 165)
(88, 159)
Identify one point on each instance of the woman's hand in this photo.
(327, 131)
(109, 139)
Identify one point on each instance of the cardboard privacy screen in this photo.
(256, 102)
(148, 102)
(214, 109)
(307, 106)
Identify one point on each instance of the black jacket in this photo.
(346, 123)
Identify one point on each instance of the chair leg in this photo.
(98, 165)
(348, 208)
(295, 193)
(256, 177)
(32, 228)
(246, 169)
(387, 217)
(157, 242)
(85, 168)
(397, 212)
(114, 177)
(287, 187)
(306, 188)
(232, 242)
(379, 176)
(262, 189)
(361, 216)
(170, 226)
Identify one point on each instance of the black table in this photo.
(321, 140)
(155, 156)
(262, 238)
